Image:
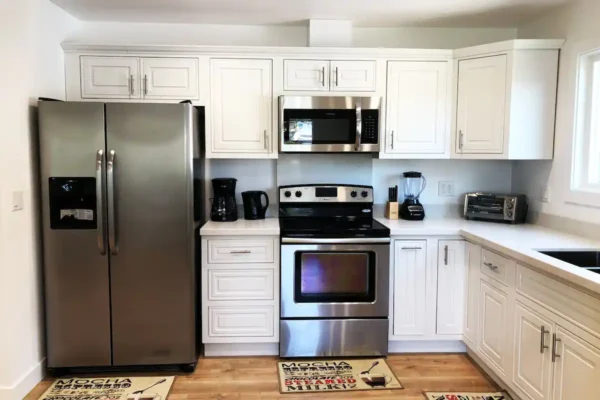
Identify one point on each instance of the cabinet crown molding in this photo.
(509, 45)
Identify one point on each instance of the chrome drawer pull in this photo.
(240, 252)
(490, 266)
(412, 248)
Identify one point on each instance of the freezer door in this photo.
(72, 145)
(151, 232)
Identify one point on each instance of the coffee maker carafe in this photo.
(412, 209)
(224, 207)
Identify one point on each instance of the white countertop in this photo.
(241, 227)
(519, 242)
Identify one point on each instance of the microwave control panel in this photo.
(370, 126)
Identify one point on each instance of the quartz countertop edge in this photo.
(242, 227)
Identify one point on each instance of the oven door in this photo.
(332, 280)
(329, 124)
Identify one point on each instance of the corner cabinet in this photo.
(452, 275)
(505, 102)
(418, 110)
(241, 109)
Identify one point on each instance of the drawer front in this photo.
(240, 284)
(234, 251)
(496, 266)
(578, 307)
(253, 321)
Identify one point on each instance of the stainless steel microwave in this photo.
(329, 124)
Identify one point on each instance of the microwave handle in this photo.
(358, 126)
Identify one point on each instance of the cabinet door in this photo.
(241, 105)
(170, 78)
(110, 78)
(481, 105)
(473, 260)
(452, 275)
(353, 76)
(493, 327)
(410, 284)
(577, 367)
(532, 370)
(306, 75)
(417, 104)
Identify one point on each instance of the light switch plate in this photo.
(445, 188)
(17, 200)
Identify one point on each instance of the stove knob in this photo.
(364, 193)
(298, 194)
(353, 193)
(287, 193)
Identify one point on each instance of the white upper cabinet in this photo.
(241, 103)
(452, 275)
(481, 105)
(306, 75)
(325, 75)
(506, 100)
(170, 78)
(410, 287)
(353, 76)
(110, 77)
(417, 121)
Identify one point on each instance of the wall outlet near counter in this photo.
(445, 188)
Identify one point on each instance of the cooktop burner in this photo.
(328, 211)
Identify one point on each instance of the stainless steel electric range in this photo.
(335, 261)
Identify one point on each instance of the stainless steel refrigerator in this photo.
(119, 233)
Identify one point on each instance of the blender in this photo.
(414, 184)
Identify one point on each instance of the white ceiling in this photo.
(387, 13)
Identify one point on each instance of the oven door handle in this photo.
(358, 126)
(335, 241)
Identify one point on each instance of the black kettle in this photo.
(253, 208)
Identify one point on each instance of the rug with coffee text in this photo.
(137, 388)
(466, 396)
(335, 375)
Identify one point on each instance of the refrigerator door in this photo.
(76, 274)
(151, 232)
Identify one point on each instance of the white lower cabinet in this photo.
(244, 321)
(471, 313)
(451, 287)
(493, 327)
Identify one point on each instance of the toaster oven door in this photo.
(487, 207)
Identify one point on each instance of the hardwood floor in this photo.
(254, 378)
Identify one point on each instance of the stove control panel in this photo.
(326, 194)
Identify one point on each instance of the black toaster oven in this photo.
(507, 208)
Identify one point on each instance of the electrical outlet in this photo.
(446, 188)
(545, 195)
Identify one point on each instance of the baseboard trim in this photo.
(493, 376)
(240, 349)
(427, 346)
(25, 383)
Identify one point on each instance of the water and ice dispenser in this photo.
(72, 203)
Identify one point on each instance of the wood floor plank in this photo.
(255, 378)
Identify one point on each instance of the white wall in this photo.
(578, 24)
(188, 34)
(32, 66)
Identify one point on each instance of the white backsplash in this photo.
(362, 169)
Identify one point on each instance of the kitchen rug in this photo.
(335, 375)
(466, 396)
(136, 388)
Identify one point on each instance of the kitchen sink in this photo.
(586, 259)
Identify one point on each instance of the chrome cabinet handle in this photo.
(412, 248)
(110, 178)
(358, 126)
(266, 137)
(446, 255)
(323, 76)
(335, 77)
(131, 89)
(145, 84)
(460, 139)
(490, 266)
(100, 201)
(392, 143)
(240, 252)
(555, 342)
(543, 339)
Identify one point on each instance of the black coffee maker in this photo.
(253, 208)
(224, 207)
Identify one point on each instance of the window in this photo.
(586, 155)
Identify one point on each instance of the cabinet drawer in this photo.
(233, 284)
(496, 266)
(574, 305)
(254, 321)
(234, 251)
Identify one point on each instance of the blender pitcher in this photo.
(414, 184)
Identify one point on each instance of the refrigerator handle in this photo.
(100, 201)
(110, 178)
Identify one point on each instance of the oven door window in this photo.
(319, 126)
(334, 277)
